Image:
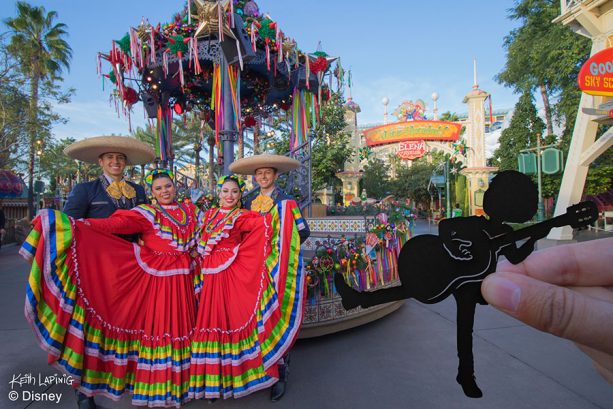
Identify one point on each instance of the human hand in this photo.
(459, 249)
(566, 291)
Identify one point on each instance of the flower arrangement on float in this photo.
(365, 262)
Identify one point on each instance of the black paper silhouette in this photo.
(466, 250)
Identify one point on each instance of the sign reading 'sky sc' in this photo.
(596, 75)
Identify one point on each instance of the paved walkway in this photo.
(405, 360)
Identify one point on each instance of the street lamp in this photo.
(447, 190)
(385, 101)
(540, 216)
(435, 108)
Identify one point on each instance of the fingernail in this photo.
(502, 293)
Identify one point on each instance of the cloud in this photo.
(94, 118)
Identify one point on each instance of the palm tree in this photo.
(40, 47)
(449, 116)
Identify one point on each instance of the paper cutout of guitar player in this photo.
(466, 250)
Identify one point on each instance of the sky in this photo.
(402, 50)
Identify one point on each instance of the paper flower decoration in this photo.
(129, 97)
(177, 45)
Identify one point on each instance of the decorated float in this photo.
(234, 69)
(364, 249)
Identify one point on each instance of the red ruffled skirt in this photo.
(250, 309)
(114, 315)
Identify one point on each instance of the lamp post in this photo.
(435, 107)
(447, 193)
(385, 101)
(540, 216)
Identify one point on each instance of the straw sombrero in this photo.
(88, 150)
(248, 166)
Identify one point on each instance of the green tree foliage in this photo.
(376, 180)
(186, 134)
(449, 116)
(53, 163)
(461, 194)
(521, 133)
(542, 56)
(330, 143)
(38, 43)
(13, 107)
(546, 58)
(59, 170)
(331, 146)
(412, 182)
(600, 175)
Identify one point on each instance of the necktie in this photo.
(118, 189)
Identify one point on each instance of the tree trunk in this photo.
(197, 148)
(32, 119)
(547, 108)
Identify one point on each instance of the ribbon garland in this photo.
(164, 129)
(305, 111)
(217, 102)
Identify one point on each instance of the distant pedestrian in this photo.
(456, 212)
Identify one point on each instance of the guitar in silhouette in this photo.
(431, 268)
(446, 267)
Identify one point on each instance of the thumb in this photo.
(558, 310)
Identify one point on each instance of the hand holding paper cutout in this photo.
(466, 251)
(565, 291)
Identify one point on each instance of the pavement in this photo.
(405, 360)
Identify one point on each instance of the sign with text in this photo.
(412, 131)
(596, 75)
(411, 149)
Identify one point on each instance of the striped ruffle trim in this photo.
(287, 270)
(234, 365)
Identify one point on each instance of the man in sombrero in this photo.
(266, 169)
(101, 197)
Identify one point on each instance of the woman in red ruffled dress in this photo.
(116, 315)
(250, 306)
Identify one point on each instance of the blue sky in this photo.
(399, 49)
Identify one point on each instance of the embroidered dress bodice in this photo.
(168, 228)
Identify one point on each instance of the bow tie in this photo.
(262, 204)
(118, 189)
